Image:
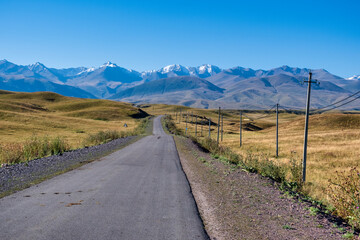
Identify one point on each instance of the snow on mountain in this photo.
(176, 70)
(105, 80)
(204, 71)
(355, 77)
(37, 67)
(43, 71)
(87, 70)
(109, 64)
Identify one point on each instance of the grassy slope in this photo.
(334, 141)
(48, 114)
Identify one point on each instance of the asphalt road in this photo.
(139, 192)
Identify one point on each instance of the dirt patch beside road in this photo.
(235, 204)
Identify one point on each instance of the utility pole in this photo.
(240, 128)
(277, 130)
(202, 128)
(210, 128)
(222, 126)
(186, 125)
(180, 116)
(218, 132)
(196, 126)
(307, 123)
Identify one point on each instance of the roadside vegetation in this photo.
(333, 152)
(35, 125)
(109, 135)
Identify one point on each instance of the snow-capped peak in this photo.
(86, 70)
(37, 66)
(205, 70)
(208, 68)
(355, 77)
(174, 68)
(108, 64)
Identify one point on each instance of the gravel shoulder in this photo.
(235, 204)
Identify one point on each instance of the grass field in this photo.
(45, 114)
(334, 140)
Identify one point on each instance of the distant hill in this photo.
(106, 80)
(282, 88)
(253, 92)
(32, 85)
(31, 79)
(234, 75)
(175, 90)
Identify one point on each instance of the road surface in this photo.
(139, 192)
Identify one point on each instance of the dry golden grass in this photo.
(51, 115)
(334, 141)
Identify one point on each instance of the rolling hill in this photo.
(47, 114)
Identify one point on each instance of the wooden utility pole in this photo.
(202, 128)
(218, 132)
(210, 128)
(186, 125)
(307, 124)
(240, 128)
(196, 126)
(277, 130)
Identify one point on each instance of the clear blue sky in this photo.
(145, 35)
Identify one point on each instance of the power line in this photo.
(266, 114)
(332, 104)
(358, 97)
(262, 116)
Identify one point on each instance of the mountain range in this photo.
(205, 86)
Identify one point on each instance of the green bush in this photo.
(344, 192)
(102, 137)
(11, 153)
(33, 148)
(37, 147)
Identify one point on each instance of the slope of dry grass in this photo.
(50, 115)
